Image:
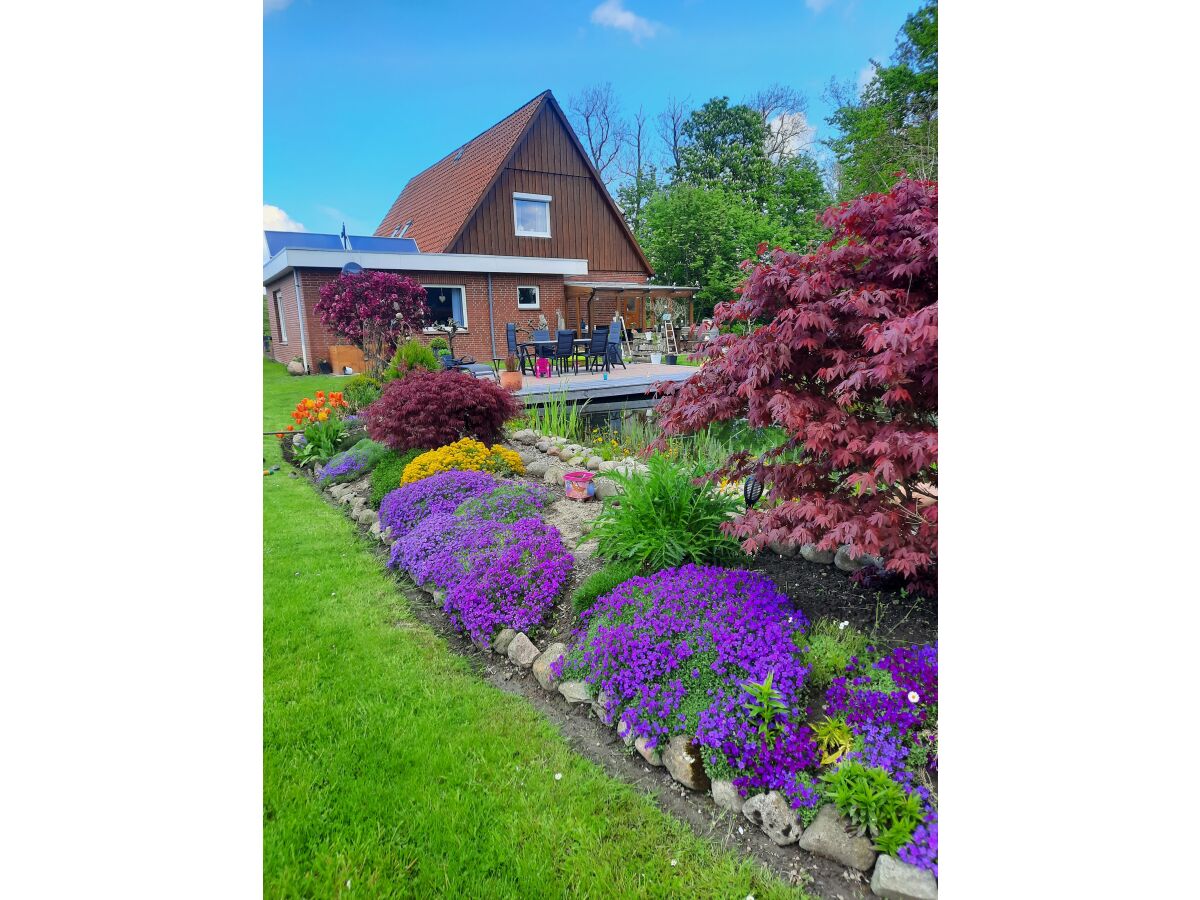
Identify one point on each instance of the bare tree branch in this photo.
(596, 116)
(783, 111)
(669, 124)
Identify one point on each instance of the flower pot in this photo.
(671, 359)
(511, 381)
(655, 358)
(579, 485)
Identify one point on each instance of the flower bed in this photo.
(720, 654)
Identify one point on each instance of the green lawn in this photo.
(389, 769)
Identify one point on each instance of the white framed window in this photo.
(529, 297)
(278, 298)
(531, 214)
(446, 302)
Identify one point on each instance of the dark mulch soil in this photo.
(888, 618)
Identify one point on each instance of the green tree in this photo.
(723, 146)
(699, 235)
(892, 126)
(797, 197)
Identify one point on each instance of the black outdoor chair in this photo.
(515, 349)
(564, 351)
(542, 334)
(467, 364)
(614, 347)
(597, 349)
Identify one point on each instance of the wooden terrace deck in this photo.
(625, 388)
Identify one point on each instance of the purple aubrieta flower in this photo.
(404, 507)
(645, 644)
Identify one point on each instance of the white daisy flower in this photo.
(914, 697)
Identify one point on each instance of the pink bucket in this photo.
(579, 485)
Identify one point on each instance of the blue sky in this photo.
(360, 96)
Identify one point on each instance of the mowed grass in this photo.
(389, 769)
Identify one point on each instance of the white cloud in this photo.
(613, 14)
(800, 133)
(865, 74)
(275, 219)
(270, 6)
(817, 5)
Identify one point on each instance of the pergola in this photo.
(630, 299)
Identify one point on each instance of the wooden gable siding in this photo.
(582, 224)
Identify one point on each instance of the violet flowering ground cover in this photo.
(475, 538)
(673, 651)
(510, 501)
(404, 507)
(343, 467)
(891, 707)
(512, 574)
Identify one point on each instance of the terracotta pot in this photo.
(511, 381)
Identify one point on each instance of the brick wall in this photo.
(281, 351)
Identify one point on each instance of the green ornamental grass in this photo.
(664, 519)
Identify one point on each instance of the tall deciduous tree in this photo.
(640, 174)
(842, 353)
(724, 146)
(892, 126)
(596, 117)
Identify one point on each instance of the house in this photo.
(513, 226)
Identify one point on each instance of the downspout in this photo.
(300, 312)
(491, 317)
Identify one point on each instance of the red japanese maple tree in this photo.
(373, 310)
(841, 351)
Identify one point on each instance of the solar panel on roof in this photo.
(278, 241)
(371, 244)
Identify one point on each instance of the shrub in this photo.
(664, 519)
(431, 409)
(674, 653)
(509, 502)
(352, 463)
(844, 356)
(602, 582)
(410, 356)
(374, 311)
(442, 493)
(464, 456)
(387, 474)
(360, 391)
(831, 647)
(875, 804)
(439, 345)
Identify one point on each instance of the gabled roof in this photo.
(441, 199)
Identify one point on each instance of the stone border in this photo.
(829, 835)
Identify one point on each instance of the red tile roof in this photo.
(441, 198)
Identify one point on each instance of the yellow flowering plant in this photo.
(466, 455)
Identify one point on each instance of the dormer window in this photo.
(531, 213)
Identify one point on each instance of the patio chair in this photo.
(542, 334)
(467, 364)
(564, 351)
(515, 349)
(614, 347)
(597, 349)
